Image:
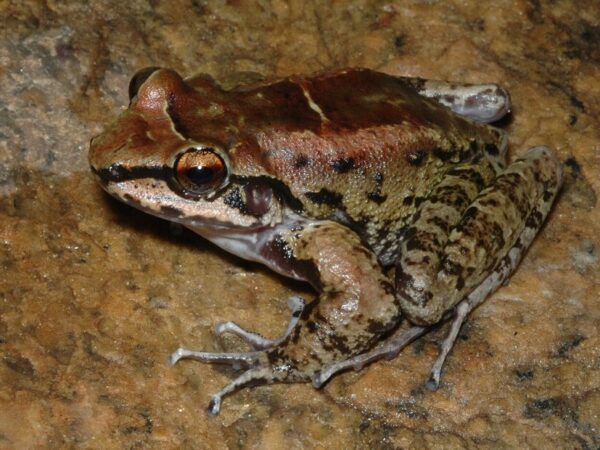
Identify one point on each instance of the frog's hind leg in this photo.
(355, 307)
(474, 256)
(255, 340)
(483, 103)
(392, 347)
(479, 294)
(388, 350)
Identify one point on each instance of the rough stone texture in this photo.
(94, 295)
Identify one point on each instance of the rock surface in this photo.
(95, 295)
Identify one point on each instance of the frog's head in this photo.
(150, 159)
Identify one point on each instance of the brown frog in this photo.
(330, 179)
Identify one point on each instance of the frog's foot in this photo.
(387, 350)
(482, 103)
(259, 369)
(255, 340)
(462, 310)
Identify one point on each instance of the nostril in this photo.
(115, 172)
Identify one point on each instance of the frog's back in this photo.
(355, 136)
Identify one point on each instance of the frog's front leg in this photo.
(445, 261)
(355, 307)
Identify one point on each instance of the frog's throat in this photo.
(260, 244)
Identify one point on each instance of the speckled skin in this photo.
(327, 179)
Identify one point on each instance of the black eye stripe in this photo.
(117, 173)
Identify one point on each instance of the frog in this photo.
(391, 196)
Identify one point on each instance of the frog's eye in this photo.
(199, 171)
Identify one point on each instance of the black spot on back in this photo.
(399, 41)
(577, 103)
(342, 165)
(469, 213)
(376, 197)
(301, 161)
(325, 197)
(451, 267)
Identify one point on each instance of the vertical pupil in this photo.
(199, 174)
